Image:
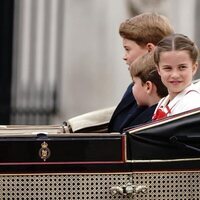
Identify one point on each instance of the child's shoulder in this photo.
(192, 90)
(191, 99)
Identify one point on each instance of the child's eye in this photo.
(182, 67)
(167, 68)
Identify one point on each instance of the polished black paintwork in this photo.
(171, 144)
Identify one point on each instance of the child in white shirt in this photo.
(176, 60)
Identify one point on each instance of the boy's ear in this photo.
(150, 47)
(149, 86)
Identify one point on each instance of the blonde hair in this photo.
(146, 28)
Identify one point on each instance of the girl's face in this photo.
(176, 70)
(132, 51)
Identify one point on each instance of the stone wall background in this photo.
(83, 49)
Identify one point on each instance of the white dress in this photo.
(186, 100)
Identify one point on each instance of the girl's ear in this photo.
(150, 47)
(149, 86)
(158, 69)
(194, 68)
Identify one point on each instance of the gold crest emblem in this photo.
(44, 151)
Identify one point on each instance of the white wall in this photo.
(94, 74)
(182, 15)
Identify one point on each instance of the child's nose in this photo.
(125, 57)
(175, 73)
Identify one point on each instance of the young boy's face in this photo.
(139, 92)
(132, 51)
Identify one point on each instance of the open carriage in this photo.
(160, 160)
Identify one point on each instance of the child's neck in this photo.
(154, 100)
(172, 95)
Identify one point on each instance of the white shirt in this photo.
(186, 100)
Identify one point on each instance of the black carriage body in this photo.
(62, 153)
(155, 161)
(169, 144)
